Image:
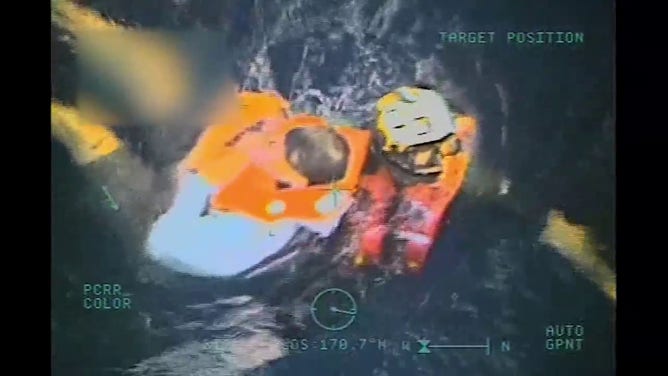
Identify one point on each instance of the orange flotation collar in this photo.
(245, 157)
(213, 144)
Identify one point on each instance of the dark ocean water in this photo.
(559, 126)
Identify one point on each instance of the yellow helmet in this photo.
(411, 116)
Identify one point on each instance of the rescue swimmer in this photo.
(424, 150)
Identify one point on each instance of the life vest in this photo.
(246, 159)
(215, 142)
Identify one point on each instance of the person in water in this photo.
(200, 237)
(253, 181)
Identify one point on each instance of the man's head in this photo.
(318, 153)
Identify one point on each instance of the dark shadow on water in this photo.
(86, 248)
(94, 244)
